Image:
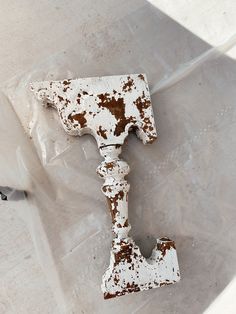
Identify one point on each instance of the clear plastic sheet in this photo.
(182, 186)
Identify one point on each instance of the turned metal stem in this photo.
(115, 188)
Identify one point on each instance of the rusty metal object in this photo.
(108, 108)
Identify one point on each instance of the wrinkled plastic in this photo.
(182, 186)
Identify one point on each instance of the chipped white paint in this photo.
(107, 108)
(133, 272)
(102, 106)
(129, 271)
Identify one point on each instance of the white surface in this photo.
(23, 285)
(212, 21)
(95, 117)
(225, 301)
(210, 190)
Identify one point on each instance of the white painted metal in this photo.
(108, 108)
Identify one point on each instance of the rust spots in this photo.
(64, 100)
(60, 98)
(108, 295)
(106, 188)
(66, 83)
(67, 101)
(126, 224)
(141, 77)
(80, 117)
(151, 139)
(165, 284)
(165, 245)
(117, 109)
(162, 284)
(113, 203)
(104, 98)
(78, 99)
(116, 280)
(129, 288)
(102, 132)
(165, 239)
(127, 87)
(124, 253)
(132, 287)
(147, 126)
(120, 195)
(113, 211)
(109, 165)
(120, 127)
(142, 103)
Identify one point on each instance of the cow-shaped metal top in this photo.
(106, 107)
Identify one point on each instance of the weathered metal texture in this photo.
(108, 108)
(130, 272)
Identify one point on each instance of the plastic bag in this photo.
(182, 186)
